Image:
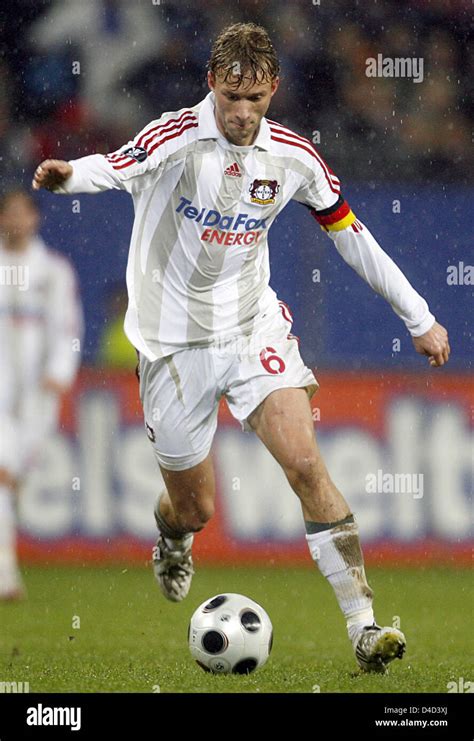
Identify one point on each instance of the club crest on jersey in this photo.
(137, 153)
(263, 192)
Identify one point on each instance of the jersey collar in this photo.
(208, 127)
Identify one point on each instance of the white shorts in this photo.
(181, 392)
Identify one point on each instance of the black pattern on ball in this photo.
(214, 603)
(270, 643)
(250, 620)
(214, 642)
(203, 666)
(245, 666)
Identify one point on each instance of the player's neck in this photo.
(16, 244)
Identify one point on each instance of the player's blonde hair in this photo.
(244, 50)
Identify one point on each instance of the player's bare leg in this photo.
(189, 499)
(183, 508)
(284, 423)
(11, 584)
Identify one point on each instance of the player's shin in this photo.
(174, 538)
(336, 550)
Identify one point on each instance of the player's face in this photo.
(18, 219)
(239, 110)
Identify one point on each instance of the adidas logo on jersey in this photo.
(233, 170)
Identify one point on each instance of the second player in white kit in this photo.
(40, 350)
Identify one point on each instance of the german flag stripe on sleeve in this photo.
(336, 217)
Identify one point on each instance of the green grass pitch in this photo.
(131, 639)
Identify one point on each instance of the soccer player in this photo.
(207, 182)
(40, 333)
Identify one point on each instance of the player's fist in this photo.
(54, 387)
(51, 173)
(434, 344)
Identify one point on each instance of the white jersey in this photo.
(40, 319)
(198, 269)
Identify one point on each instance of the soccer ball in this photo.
(230, 634)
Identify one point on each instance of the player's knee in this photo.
(307, 473)
(195, 519)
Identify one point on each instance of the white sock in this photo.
(8, 557)
(180, 544)
(338, 556)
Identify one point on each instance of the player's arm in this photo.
(129, 168)
(361, 251)
(64, 328)
(91, 174)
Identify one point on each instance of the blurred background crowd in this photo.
(138, 58)
(83, 76)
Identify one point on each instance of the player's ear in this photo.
(275, 84)
(211, 80)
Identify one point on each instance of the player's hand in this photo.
(51, 173)
(434, 344)
(54, 387)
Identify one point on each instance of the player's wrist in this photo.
(419, 329)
